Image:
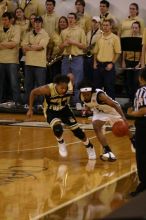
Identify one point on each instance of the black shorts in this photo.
(65, 115)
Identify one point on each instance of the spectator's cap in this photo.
(96, 18)
(38, 19)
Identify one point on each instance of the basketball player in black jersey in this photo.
(57, 110)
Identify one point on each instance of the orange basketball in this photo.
(120, 128)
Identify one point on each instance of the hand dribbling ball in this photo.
(120, 128)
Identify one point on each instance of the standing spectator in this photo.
(32, 6)
(91, 41)
(21, 21)
(106, 53)
(139, 112)
(31, 22)
(125, 26)
(143, 59)
(7, 6)
(30, 28)
(131, 59)
(9, 57)
(50, 19)
(34, 46)
(105, 14)
(54, 55)
(83, 18)
(73, 42)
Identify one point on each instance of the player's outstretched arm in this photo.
(107, 100)
(42, 90)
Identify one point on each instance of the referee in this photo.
(139, 112)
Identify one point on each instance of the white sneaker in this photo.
(91, 153)
(26, 106)
(109, 156)
(39, 107)
(62, 149)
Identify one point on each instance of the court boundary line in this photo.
(39, 148)
(81, 196)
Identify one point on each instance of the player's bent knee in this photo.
(58, 130)
(79, 133)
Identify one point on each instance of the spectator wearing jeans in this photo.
(73, 42)
(34, 46)
(9, 57)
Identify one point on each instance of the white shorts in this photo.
(105, 117)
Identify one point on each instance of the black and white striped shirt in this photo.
(140, 98)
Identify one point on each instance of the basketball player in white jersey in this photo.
(104, 110)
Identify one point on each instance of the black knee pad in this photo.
(58, 130)
(79, 133)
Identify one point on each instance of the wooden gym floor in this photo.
(36, 183)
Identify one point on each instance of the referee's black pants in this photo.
(140, 138)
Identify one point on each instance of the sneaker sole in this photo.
(107, 159)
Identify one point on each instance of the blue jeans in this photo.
(11, 71)
(34, 77)
(74, 66)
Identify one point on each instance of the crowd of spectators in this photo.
(34, 38)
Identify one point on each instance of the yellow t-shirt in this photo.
(23, 25)
(36, 58)
(50, 23)
(54, 44)
(34, 6)
(12, 35)
(85, 22)
(144, 43)
(7, 5)
(106, 47)
(125, 26)
(77, 34)
(115, 26)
